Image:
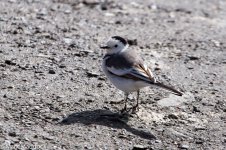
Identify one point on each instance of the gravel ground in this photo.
(55, 96)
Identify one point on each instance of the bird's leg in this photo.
(134, 108)
(125, 106)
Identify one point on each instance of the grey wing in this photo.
(131, 66)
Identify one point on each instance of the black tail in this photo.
(169, 88)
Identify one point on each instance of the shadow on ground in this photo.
(106, 118)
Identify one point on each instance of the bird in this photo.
(127, 71)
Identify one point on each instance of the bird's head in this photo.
(115, 45)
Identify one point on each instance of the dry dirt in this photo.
(53, 94)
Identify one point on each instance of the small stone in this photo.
(62, 66)
(67, 40)
(153, 7)
(36, 107)
(48, 137)
(60, 96)
(195, 109)
(9, 62)
(172, 116)
(42, 12)
(13, 134)
(140, 147)
(184, 146)
(216, 43)
(157, 68)
(118, 22)
(10, 87)
(132, 42)
(12, 1)
(199, 141)
(109, 14)
(199, 128)
(158, 141)
(92, 74)
(51, 71)
(100, 85)
(193, 57)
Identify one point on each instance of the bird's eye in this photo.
(116, 45)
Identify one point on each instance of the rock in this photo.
(92, 74)
(13, 134)
(68, 40)
(140, 147)
(184, 146)
(153, 7)
(149, 116)
(100, 85)
(199, 141)
(172, 116)
(12, 1)
(216, 43)
(51, 71)
(62, 66)
(195, 109)
(42, 12)
(174, 100)
(36, 107)
(9, 62)
(176, 134)
(132, 42)
(193, 57)
(158, 141)
(200, 128)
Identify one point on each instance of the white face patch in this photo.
(115, 46)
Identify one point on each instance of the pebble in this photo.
(199, 141)
(132, 42)
(92, 74)
(36, 107)
(153, 7)
(176, 134)
(43, 12)
(172, 116)
(51, 71)
(216, 43)
(184, 146)
(9, 62)
(67, 40)
(140, 147)
(193, 57)
(13, 134)
(158, 141)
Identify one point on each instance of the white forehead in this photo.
(112, 42)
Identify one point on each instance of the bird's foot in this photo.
(123, 111)
(135, 109)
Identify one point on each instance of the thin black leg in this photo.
(137, 104)
(138, 94)
(125, 106)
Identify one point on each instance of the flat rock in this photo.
(174, 100)
(148, 116)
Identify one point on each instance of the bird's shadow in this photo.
(106, 118)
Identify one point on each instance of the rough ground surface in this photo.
(53, 94)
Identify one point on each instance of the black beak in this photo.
(104, 47)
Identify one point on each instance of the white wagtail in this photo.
(126, 70)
